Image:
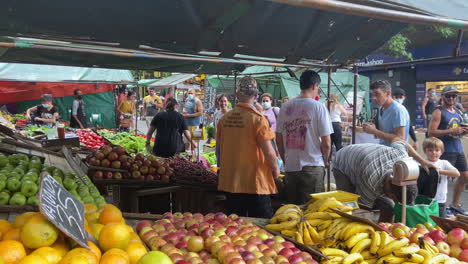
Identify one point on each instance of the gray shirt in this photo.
(367, 165)
(75, 106)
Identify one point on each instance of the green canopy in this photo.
(144, 82)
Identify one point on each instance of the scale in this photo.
(405, 172)
(95, 119)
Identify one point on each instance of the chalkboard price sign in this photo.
(62, 209)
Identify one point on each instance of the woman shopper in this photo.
(170, 125)
(223, 104)
(269, 110)
(45, 114)
(336, 110)
(127, 108)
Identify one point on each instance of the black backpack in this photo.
(427, 183)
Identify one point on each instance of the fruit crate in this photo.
(448, 224)
(59, 142)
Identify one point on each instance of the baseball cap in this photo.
(399, 91)
(247, 85)
(450, 89)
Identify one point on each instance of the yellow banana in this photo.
(324, 225)
(439, 258)
(404, 251)
(375, 242)
(330, 203)
(336, 226)
(344, 208)
(329, 252)
(315, 222)
(307, 239)
(313, 233)
(285, 217)
(298, 237)
(390, 259)
(361, 245)
(282, 226)
(426, 254)
(384, 239)
(407, 262)
(288, 232)
(322, 234)
(414, 257)
(372, 260)
(431, 248)
(352, 241)
(356, 228)
(352, 258)
(336, 260)
(392, 246)
(321, 215)
(367, 255)
(286, 207)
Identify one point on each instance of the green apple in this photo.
(74, 193)
(88, 200)
(35, 164)
(18, 199)
(3, 177)
(155, 257)
(2, 185)
(58, 179)
(58, 172)
(83, 193)
(15, 175)
(29, 188)
(69, 184)
(19, 171)
(4, 198)
(3, 160)
(32, 200)
(32, 175)
(100, 201)
(13, 184)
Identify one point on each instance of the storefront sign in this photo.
(442, 72)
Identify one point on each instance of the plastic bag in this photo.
(418, 213)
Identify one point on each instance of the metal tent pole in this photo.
(353, 139)
(377, 12)
(328, 106)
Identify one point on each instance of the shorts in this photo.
(300, 184)
(457, 159)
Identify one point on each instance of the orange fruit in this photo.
(90, 208)
(114, 236)
(12, 234)
(79, 255)
(96, 230)
(11, 251)
(33, 259)
(110, 215)
(118, 251)
(113, 259)
(135, 251)
(61, 246)
(130, 229)
(95, 249)
(134, 238)
(38, 232)
(92, 217)
(20, 220)
(5, 226)
(52, 255)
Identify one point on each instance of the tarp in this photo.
(52, 73)
(144, 82)
(174, 81)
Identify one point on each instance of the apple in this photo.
(181, 244)
(269, 252)
(295, 250)
(212, 261)
(420, 228)
(277, 247)
(305, 255)
(255, 240)
(269, 242)
(398, 232)
(414, 238)
(231, 230)
(144, 230)
(158, 227)
(167, 247)
(456, 236)
(216, 247)
(141, 224)
(286, 252)
(263, 236)
(176, 257)
(463, 255)
(288, 244)
(247, 255)
(225, 250)
(455, 251)
(278, 239)
(443, 247)
(267, 260)
(195, 260)
(156, 243)
(428, 239)
(225, 238)
(281, 259)
(262, 247)
(464, 243)
(238, 261)
(210, 241)
(148, 235)
(182, 262)
(437, 235)
(155, 257)
(294, 259)
(258, 254)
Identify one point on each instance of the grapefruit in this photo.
(79, 255)
(11, 251)
(114, 236)
(135, 251)
(52, 255)
(95, 249)
(38, 232)
(33, 259)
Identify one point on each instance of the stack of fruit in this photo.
(89, 139)
(32, 239)
(454, 243)
(217, 238)
(130, 142)
(343, 240)
(138, 167)
(186, 171)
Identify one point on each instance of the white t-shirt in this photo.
(441, 195)
(302, 121)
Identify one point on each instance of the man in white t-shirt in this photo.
(303, 138)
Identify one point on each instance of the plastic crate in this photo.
(347, 198)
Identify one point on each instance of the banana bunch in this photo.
(324, 205)
(286, 220)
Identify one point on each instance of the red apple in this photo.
(269, 242)
(255, 240)
(182, 262)
(269, 252)
(277, 247)
(455, 251)
(294, 259)
(231, 230)
(428, 239)
(463, 255)
(148, 235)
(210, 241)
(156, 243)
(254, 261)
(262, 247)
(464, 243)
(267, 260)
(176, 257)
(414, 238)
(456, 236)
(295, 250)
(305, 255)
(181, 244)
(158, 227)
(286, 252)
(142, 224)
(251, 247)
(281, 259)
(237, 261)
(167, 247)
(437, 235)
(226, 253)
(195, 243)
(443, 247)
(288, 244)
(247, 255)
(216, 247)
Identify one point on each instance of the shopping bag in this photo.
(418, 213)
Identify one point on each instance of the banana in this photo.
(288, 232)
(452, 261)
(414, 257)
(321, 215)
(322, 233)
(372, 260)
(344, 208)
(356, 228)
(392, 246)
(426, 254)
(315, 222)
(307, 239)
(433, 249)
(361, 245)
(375, 243)
(352, 258)
(352, 241)
(285, 217)
(390, 259)
(324, 225)
(337, 260)
(329, 203)
(384, 239)
(313, 233)
(336, 226)
(367, 255)
(407, 262)
(439, 258)
(282, 226)
(286, 207)
(298, 237)
(330, 252)
(404, 251)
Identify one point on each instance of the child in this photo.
(433, 148)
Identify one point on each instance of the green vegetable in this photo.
(130, 142)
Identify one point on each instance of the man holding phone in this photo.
(446, 124)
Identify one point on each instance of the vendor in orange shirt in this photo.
(248, 160)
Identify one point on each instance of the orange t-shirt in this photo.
(243, 165)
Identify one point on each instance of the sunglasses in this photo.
(451, 96)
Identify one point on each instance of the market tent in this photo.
(144, 82)
(21, 86)
(175, 81)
